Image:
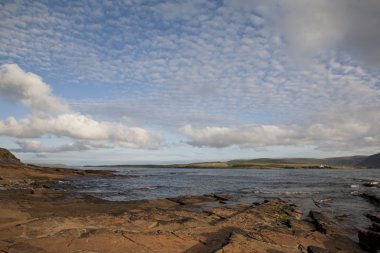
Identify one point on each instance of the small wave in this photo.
(369, 180)
(323, 200)
(299, 193)
(264, 192)
(354, 186)
(285, 193)
(152, 187)
(355, 193)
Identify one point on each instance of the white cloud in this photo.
(51, 116)
(78, 126)
(181, 10)
(247, 136)
(211, 59)
(162, 65)
(35, 146)
(311, 27)
(343, 129)
(29, 89)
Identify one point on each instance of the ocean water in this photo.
(334, 192)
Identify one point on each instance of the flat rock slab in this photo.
(167, 226)
(63, 221)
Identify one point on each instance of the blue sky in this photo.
(89, 82)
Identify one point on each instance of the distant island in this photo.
(346, 162)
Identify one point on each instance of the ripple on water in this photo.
(335, 191)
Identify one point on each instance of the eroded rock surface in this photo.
(34, 218)
(41, 225)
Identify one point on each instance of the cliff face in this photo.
(372, 161)
(7, 157)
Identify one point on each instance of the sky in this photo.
(109, 82)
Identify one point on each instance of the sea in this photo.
(335, 192)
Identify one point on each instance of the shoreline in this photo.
(224, 168)
(35, 216)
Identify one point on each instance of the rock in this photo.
(375, 227)
(375, 217)
(153, 224)
(370, 240)
(87, 233)
(301, 248)
(371, 184)
(371, 197)
(315, 249)
(25, 247)
(192, 200)
(320, 221)
(7, 157)
(222, 197)
(84, 225)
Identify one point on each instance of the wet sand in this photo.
(38, 216)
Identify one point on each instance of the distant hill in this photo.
(346, 161)
(7, 157)
(372, 161)
(291, 163)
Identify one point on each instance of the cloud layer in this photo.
(312, 27)
(51, 116)
(343, 129)
(34, 146)
(227, 73)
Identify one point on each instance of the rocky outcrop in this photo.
(370, 239)
(184, 224)
(7, 157)
(371, 196)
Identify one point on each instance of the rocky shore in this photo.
(36, 215)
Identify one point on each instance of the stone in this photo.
(369, 239)
(315, 249)
(375, 217)
(371, 197)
